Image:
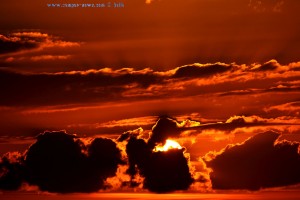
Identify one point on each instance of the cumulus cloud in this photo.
(259, 162)
(60, 162)
(162, 171)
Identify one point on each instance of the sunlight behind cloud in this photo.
(170, 144)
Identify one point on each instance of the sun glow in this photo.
(170, 144)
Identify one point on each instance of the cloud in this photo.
(164, 128)
(63, 163)
(13, 44)
(289, 107)
(60, 162)
(259, 162)
(200, 70)
(27, 41)
(11, 171)
(167, 171)
(162, 171)
(128, 84)
(93, 85)
(270, 65)
(37, 58)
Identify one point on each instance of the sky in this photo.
(147, 96)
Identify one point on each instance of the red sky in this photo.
(223, 74)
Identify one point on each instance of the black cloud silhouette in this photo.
(163, 171)
(164, 128)
(18, 41)
(259, 162)
(167, 171)
(60, 162)
(63, 163)
(55, 163)
(11, 171)
(200, 71)
(8, 46)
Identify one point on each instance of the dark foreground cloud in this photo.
(164, 171)
(259, 162)
(59, 162)
(11, 171)
(64, 163)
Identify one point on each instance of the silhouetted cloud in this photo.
(164, 128)
(60, 162)
(63, 163)
(11, 171)
(23, 41)
(162, 171)
(167, 171)
(259, 162)
(93, 85)
(107, 85)
(198, 70)
(270, 65)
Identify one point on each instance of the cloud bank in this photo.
(63, 163)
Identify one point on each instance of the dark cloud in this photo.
(167, 127)
(270, 65)
(20, 41)
(167, 171)
(11, 171)
(138, 153)
(36, 89)
(64, 163)
(259, 162)
(104, 158)
(107, 85)
(243, 121)
(11, 44)
(164, 128)
(59, 162)
(163, 171)
(197, 70)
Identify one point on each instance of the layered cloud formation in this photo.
(106, 84)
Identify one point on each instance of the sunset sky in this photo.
(90, 95)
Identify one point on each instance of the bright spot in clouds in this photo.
(170, 144)
(148, 1)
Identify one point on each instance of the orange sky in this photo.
(226, 73)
